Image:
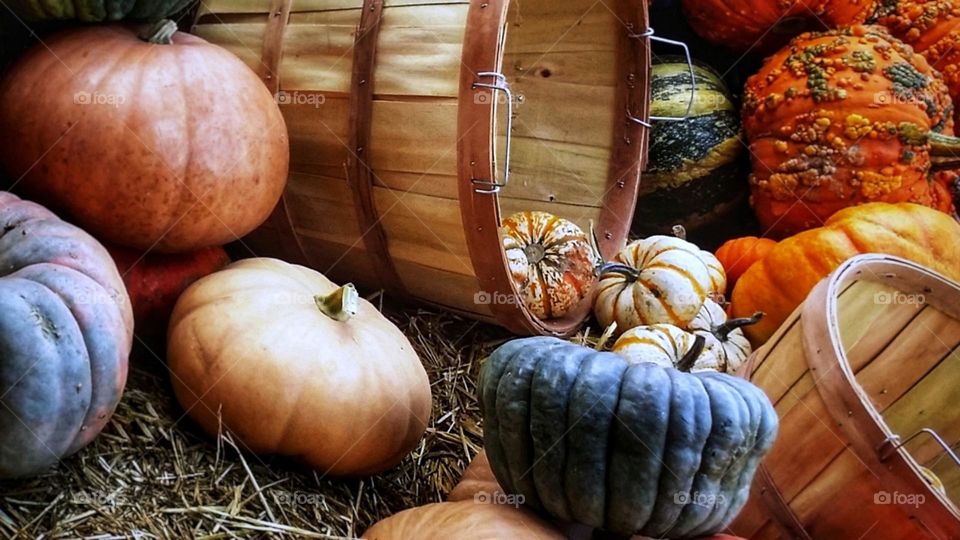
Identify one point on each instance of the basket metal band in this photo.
(360, 176)
(280, 220)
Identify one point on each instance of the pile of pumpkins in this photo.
(178, 148)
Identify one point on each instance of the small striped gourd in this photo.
(695, 176)
(552, 262)
(722, 345)
(660, 279)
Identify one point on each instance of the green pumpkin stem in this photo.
(944, 151)
(722, 331)
(160, 32)
(618, 268)
(686, 363)
(340, 305)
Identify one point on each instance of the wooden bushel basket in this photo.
(415, 126)
(866, 379)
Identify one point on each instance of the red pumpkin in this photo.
(759, 25)
(844, 118)
(738, 254)
(172, 145)
(65, 334)
(154, 282)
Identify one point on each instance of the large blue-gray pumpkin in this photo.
(66, 329)
(631, 448)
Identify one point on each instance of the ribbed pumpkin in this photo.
(552, 262)
(96, 10)
(758, 25)
(66, 329)
(660, 279)
(738, 254)
(711, 342)
(843, 118)
(932, 28)
(662, 344)
(294, 365)
(694, 176)
(170, 145)
(726, 347)
(780, 282)
(631, 448)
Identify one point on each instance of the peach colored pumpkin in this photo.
(293, 365)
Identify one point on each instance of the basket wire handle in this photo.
(491, 186)
(894, 443)
(649, 34)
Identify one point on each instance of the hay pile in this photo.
(153, 474)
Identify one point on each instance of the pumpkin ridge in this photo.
(518, 480)
(671, 314)
(685, 273)
(85, 338)
(735, 467)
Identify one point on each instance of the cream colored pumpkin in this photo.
(657, 280)
(661, 344)
(552, 262)
(726, 347)
(292, 364)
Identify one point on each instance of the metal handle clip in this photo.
(648, 33)
(491, 187)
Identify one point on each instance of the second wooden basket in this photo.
(866, 378)
(416, 125)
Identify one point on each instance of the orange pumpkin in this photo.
(477, 479)
(758, 25)
(294, 365)
(843, 118)
(780, 282)
(932, 28)
(464, 520)
(170, 145)
(738, 254)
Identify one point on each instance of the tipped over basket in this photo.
(866, 379)
(415, 126)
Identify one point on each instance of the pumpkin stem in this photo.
(160, 32)
(340, 305)
(618, 268)
(686, 363)
(680, 232)
(944, 151)
(722, 331)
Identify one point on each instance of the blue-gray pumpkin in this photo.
(631, 448)
(66, 329)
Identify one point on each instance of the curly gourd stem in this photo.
(686, 363)
(722, 330)
(628, 272)
(160, 32)
(340, 305)
(944, 151)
